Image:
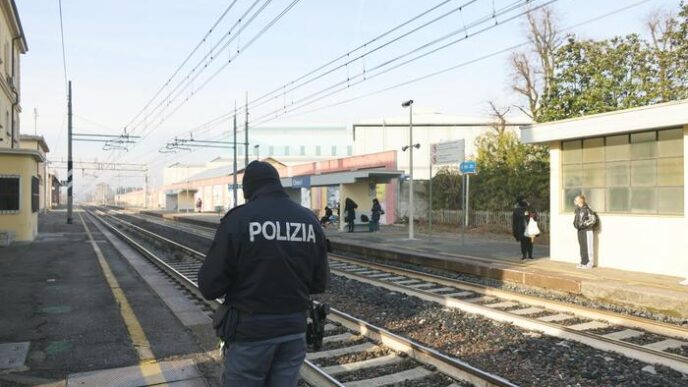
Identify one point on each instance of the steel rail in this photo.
(312, 374)
(652, 326)
(452, 367)
(634, 351)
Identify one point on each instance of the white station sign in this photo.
(452, 152)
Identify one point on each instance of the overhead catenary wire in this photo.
(64, 55)
(369, 74)
(460, 65)
(184, 62)
(281, 90)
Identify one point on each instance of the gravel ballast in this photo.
(526, 358)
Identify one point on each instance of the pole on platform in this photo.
(468, 195)
(234, 173)
(145, 189)
(409, 104)
(463, 199)
(430, 195)
(246, 133)
(70, 169)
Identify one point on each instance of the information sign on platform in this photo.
(468, 167)
(447, 152)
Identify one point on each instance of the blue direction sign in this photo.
(468, 167)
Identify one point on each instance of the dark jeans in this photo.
(526, 247)
(271, 363)
(585, 239)
(350, 226)
(374, 225)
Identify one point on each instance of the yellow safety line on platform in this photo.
(147, 365)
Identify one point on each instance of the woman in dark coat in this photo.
(375, 212)
(520, 219)
(350, 207)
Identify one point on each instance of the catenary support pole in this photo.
(430, 195)
(411, 203)
(246, 133)
(70, 170)
(234, 172)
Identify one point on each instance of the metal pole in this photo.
(234, 173)
(411, 171)
(430, 205)
(70, 164)
(463, 198)
(145, 189)
(468, 195)
(246, 133)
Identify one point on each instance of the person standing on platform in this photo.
(519, 225)
(268, 256)
(199, 205)
(584, 220)
(376, 212)
(350, 207)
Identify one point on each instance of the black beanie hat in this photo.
(257, 175)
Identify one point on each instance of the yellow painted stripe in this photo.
(147, 365)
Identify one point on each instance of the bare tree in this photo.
(499, 115)
(533, 70)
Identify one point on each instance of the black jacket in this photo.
(376, 211)
(267, 257)
(519, 221)
(584, 218)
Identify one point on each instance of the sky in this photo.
(119, 53)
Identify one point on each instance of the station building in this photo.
(21, 165)
(632, 167)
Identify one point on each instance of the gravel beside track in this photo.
(526, 358)
(195, 242)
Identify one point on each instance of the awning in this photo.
(337, 178)
(179, 190)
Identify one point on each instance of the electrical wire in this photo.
(184, 62)
(64, 55)
(460, 65)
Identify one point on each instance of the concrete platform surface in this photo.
(498, 257)
(180, 373)
(56, 298)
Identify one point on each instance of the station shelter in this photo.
(631, 166)
(314, 185)
(20, 191)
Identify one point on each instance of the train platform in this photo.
(78, 312)
(498, 257)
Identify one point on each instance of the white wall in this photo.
(644, 243)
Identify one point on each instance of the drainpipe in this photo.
(14, 88)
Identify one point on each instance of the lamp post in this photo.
(257, 148)
(409, 104)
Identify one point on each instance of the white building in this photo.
(428, 128)
(631, 166)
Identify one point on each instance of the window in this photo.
(9, 193)
(318, 150)
(286, 150)
(349, 150)
(639, 173)
(334, 150)
(34, 194)
(302, 150)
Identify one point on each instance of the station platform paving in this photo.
(75, 312)
(498, 257)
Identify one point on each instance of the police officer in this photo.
(267, 257)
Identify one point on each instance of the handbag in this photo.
(532, 229)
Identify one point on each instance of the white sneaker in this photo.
(579, 266)
(684, 282)
(587, 266)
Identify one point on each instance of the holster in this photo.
(225, 322)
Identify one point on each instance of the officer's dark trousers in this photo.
(585, 239)
(270, 363)
(526, 247)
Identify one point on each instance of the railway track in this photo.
(354, 353)
(641, 339)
